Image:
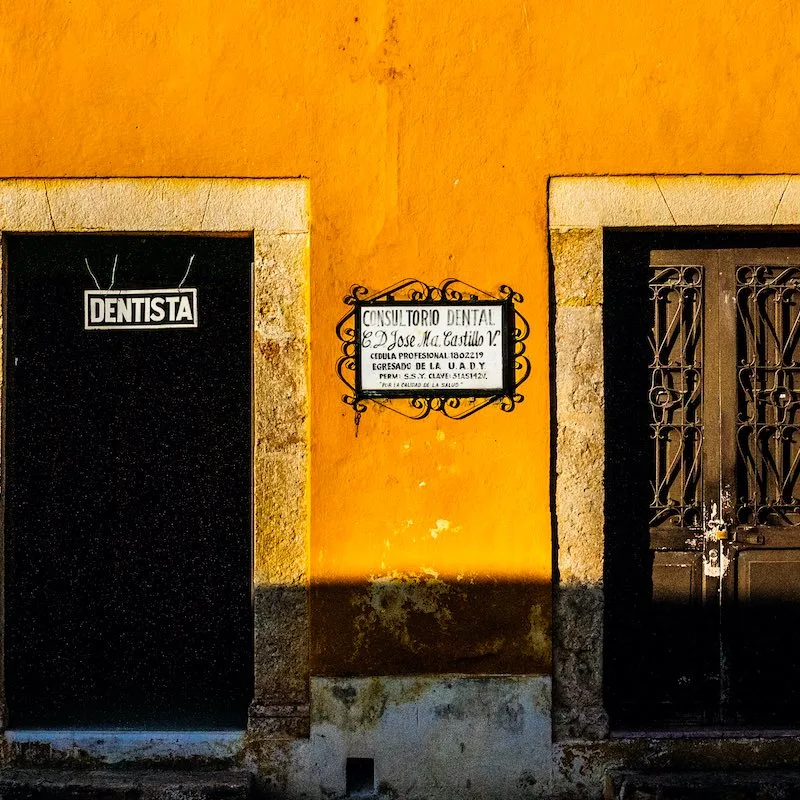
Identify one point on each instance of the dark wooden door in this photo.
(128, 486)
(724, 535)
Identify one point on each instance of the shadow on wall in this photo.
(405, 695)
(418, 624)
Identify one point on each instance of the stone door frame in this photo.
(580, 208)
(276, 214)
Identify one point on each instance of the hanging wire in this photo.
(186, 274)
(91, 273)
(114, 272)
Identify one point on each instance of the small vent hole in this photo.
(360, 777)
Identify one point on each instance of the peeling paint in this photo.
(394, 597)
(423, 622)
(715, 557)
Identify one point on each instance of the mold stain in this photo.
(392, 601)
(360, 704)
(537, 641)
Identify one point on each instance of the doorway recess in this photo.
(585, 214)
(270, 219)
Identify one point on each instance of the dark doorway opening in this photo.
(128, 486)
(702, 389)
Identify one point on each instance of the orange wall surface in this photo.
(428, 132)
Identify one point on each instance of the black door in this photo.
(127, 488)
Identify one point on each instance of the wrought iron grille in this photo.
(676, 396)
(768, 423)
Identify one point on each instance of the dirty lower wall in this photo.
(428, 132)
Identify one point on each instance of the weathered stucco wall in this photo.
(429, 738)
(428, 133)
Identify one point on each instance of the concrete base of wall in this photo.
(424, 738)
(428, 737)
(418, 738)
(434, 737)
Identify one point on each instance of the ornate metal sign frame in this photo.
(419, 403)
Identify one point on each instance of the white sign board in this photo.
(139, 309)
(443, 347)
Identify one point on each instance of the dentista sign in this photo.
(139, 309)
(405, 348)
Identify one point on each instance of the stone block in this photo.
(579, 360)
(281, 516)
(577, 255)
(281, 285)
(723, 199)
(23, 206)
(625, 201)
(246, 204)
(119, 204)
(788, 211)
(281, 648)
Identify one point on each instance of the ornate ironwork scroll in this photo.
(768, 423)
(418, 404)
(676, 403)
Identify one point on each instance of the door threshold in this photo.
(125, 745)
(707, 733)
(64, 781)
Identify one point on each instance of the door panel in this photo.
(768, 378)
(761, 601)
(680, 609)
(678, 627)
(767, 655)
(768, 578)
(677, 579)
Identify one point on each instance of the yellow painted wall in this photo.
(428, 131)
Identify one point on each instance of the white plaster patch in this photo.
(433, 737)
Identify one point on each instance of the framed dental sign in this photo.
(449, 348)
